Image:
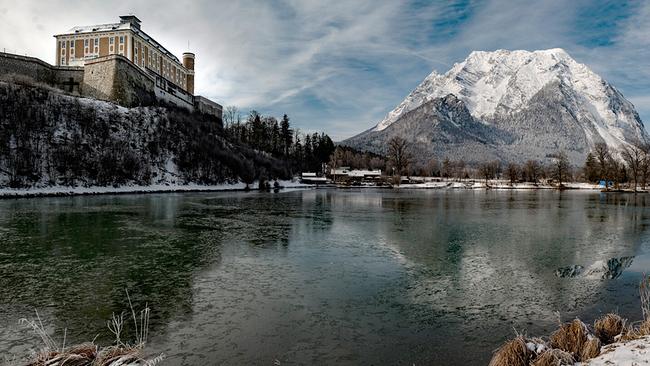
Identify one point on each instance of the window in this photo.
(63, 60)
(121, 39)
(112, 40)
(96, 46)
(86, 42)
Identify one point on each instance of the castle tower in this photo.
(188, 63)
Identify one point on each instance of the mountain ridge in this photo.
(572, 107)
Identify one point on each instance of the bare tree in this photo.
(231, 115)
(645, 167)
(613, 172)
(533, 171)
(488, 170)
(433, 168)
(634, 156)
(602, 155)
(512, 171)
(399, 154)
(560, 167)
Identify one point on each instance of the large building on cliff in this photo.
(126, 38)
(116, 62)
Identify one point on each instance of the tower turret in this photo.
(188, 63)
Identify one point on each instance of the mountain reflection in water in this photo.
(610, 269)
(319, 276)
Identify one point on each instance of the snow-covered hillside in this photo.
(49, 139)
(499, 88)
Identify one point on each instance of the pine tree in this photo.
(591, 170)
(286, 135)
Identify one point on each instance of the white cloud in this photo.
(337, 66)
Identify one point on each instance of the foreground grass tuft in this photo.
(575, 342)
(90, 354)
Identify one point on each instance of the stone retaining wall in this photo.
(112, 78)
(62, 77)
(115, 78)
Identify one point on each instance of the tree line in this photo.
(631, 165)
(302, 151)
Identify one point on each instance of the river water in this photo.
(320, 277)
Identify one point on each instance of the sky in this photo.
(339, 66)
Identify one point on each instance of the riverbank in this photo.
(611, 340)
(61, 191)
(57, 191)
(506, 185)
(495, 185)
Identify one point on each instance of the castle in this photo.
(117, 62)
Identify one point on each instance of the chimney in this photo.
(188, 63)
(135, 22)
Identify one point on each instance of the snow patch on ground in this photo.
(501, 185)
(153, 188)
(636, 352)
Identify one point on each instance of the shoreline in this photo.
(65, 191)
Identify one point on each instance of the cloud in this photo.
(339, 66)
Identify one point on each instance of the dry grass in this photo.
(571, 337)
(590, 349)
(89, 354)
(573, 342)
(513, 353)
(554, 357)
(608, 326)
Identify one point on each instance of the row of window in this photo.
(71, 44)
(152, 59)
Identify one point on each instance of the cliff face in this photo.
(51, 139)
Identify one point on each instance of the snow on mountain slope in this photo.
(495, 85)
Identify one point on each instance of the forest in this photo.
(301, 151)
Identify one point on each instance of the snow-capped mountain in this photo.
(532, 103)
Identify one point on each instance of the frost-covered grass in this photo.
(90, 354)
(634, 352)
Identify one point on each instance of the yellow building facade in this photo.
(126, 38)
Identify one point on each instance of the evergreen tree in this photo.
(591, 170)
(286, 135)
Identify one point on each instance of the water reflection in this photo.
(609, 269)
(319, 276)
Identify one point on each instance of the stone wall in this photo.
(205, 105)
(115, 78)
(171, 93)
(65, 78)
(112, 78)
